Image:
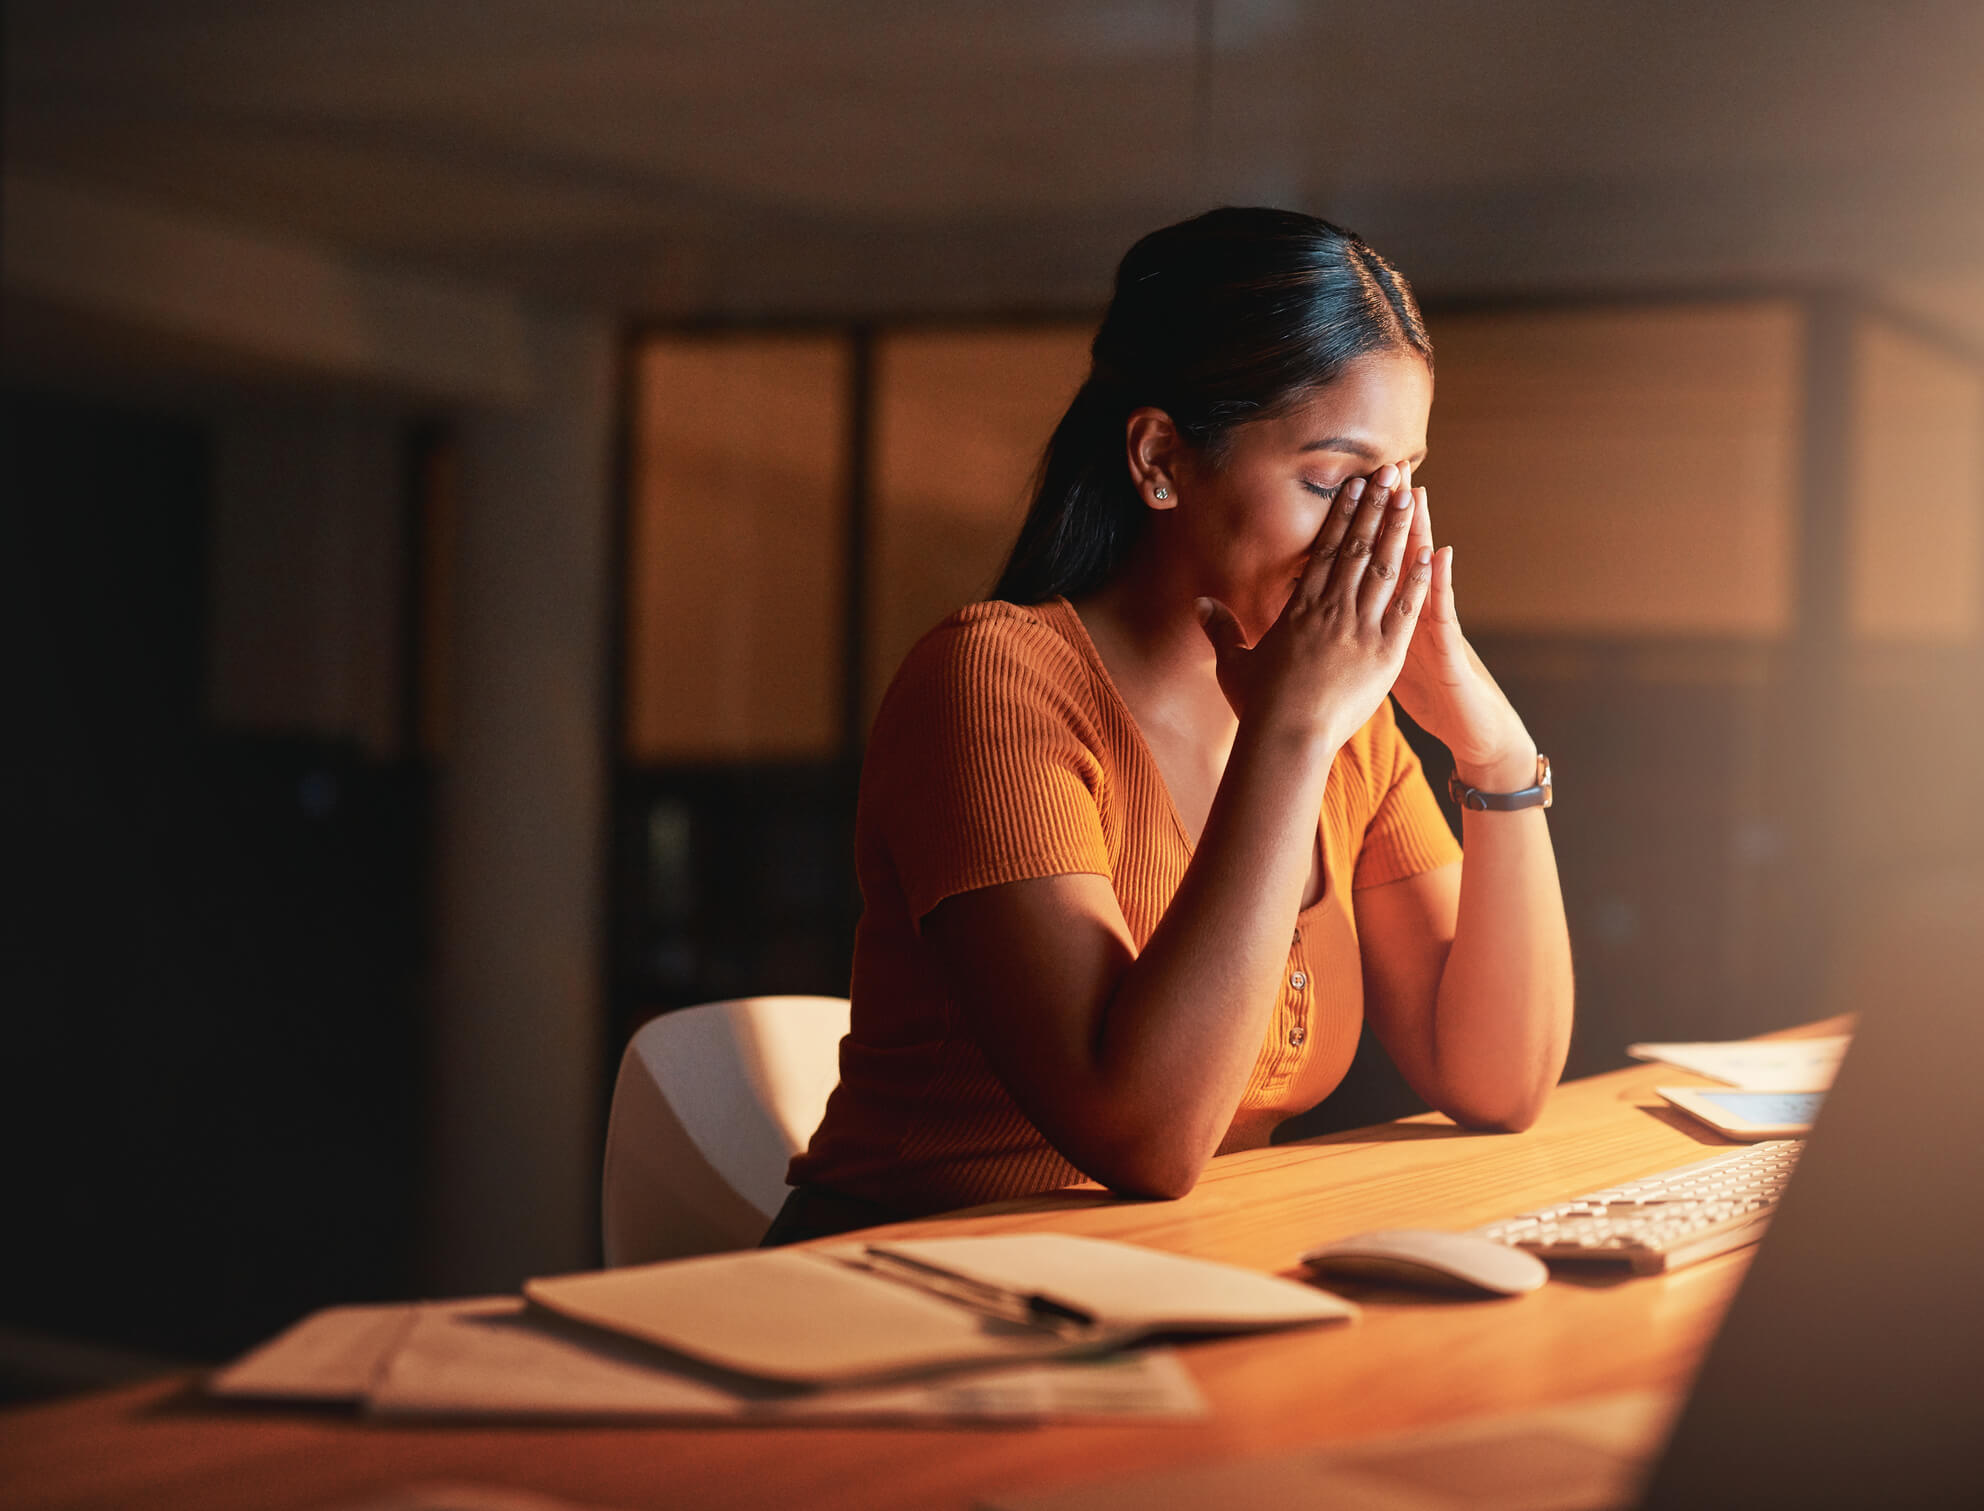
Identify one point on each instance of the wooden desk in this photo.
(1411, 1361)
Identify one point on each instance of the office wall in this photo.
(307, 550)
(516, 1022)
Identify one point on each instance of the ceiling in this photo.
(801, 156)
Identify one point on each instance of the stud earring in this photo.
(1161, 493)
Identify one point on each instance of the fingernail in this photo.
(1425, 555)
(1203, 608)
(1354, 488)
(1405, 499)
(1387, 476)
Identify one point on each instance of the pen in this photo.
(1036, 1308)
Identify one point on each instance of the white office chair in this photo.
(711, 1103)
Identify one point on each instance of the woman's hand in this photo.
(1444, 686)
(1333, 653)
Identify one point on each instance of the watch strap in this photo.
(1539, 795)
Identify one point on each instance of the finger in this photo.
(1322, 554)
(1388, 553)
(1410, 600)
(1440, 602)
(1422, 527)
(1221, 628)
(1416, 572)
(1348, 571)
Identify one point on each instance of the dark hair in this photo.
(1228, 317)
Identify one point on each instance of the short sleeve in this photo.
(983, 765)
(1407, 832)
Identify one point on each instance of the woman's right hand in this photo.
(1331, 656)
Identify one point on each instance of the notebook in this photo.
(845, 1313)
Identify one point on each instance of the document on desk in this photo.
(1757, 1064)
(495, 1358)
(333, 1355)
(848, 1314)
(503, 1360)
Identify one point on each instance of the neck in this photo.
(1146, 626)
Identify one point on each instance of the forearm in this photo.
(1502, 1018)
(1183, 1029)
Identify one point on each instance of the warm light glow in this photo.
(961, 419)
(1627, 472)
(736, 547)
(1916, 517)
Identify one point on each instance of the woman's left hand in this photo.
(1444, 686)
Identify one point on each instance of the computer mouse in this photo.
(1429, 1260)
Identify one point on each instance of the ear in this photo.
(1152, 447)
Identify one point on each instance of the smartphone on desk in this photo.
(1746, 1115)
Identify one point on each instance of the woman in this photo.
(1106, 933)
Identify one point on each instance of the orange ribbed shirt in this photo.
(1003, 751)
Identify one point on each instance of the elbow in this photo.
(1155, 1184)
(1501, 1115)
(1154, 1168)
(1505, 1098)
(1501, 1122)
(1145, 1145)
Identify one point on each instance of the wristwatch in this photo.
(1538, 796)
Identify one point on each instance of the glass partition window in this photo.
(1915, 542)
(1620, 472)
(736, 538)
(961, 419)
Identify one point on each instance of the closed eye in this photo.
(1320, 491)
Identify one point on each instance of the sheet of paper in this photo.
(499, 1359)
(332, 1355)
(1756, 1064)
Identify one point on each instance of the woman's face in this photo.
(1249, 520)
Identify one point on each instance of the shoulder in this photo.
(992, 652)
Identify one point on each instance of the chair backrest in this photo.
(710, 1105)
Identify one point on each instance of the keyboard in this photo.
(1662, 1222)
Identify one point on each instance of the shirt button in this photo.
(1298, 980)
(1297, 1034)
